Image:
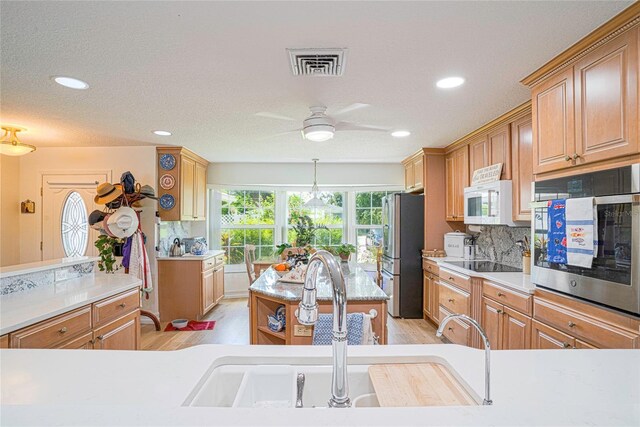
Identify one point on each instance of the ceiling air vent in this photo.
(317, 62)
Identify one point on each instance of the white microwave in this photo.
(488, 204)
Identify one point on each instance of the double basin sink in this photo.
(270, 382)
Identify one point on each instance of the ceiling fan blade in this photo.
(281, 134)
(350, 108)
(275, 116)
(354, 126)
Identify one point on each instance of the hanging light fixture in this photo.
(315, 201)
(10, 145)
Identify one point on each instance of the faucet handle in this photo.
(307, 315)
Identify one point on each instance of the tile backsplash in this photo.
(170, 230)
(23, 282)
(498, 243)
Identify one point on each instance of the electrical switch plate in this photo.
(302, 331)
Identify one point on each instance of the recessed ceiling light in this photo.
(70, 82)
(400, 133)
(449, 82)
(162, 132)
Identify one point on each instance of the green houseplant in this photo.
(107, 260)
(306, 231)
(345, 250)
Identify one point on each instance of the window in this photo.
(368, 224)
(74, 225)
(329, 218)
(247, 218)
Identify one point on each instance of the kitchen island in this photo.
(546, 387)
(267, 293)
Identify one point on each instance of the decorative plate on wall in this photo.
(167, 201)
(167, 181)
(167, 162)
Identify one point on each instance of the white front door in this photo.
(67, 201)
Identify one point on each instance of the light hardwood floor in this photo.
(232, 327)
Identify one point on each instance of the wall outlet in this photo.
(302, 331)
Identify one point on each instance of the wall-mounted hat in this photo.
(123, 222)
(96, 217)
(148, 191)
(105, 227)
(107, 192)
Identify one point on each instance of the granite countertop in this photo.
(517, 281)
(21, 309)
(50, 264)
(190, 257)
(360, 286)
(546, 387)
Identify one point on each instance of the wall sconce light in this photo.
(28, 206)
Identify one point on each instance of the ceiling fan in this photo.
(320, 127)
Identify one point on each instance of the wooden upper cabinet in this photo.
(457, 178)
(187, 187)
(606, 93)
(414, 172)
(499, 149)
(553, 118)
(200, 196)
(522, 167)
(478, 154)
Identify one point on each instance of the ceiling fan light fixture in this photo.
(450, 82)
(400, 133)
(70, 82)
(319, 133)
(11, 146)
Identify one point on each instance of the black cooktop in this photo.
(485, 266)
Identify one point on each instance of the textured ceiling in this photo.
(203, 69)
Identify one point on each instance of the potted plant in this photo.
(345, 250)
(105, 245)
(306, 231)
(281, 248)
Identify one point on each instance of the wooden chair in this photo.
(291, 251)
(249, 257)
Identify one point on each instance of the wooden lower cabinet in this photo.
(544, 337)
(458, 332)
(492, 322)
(581, 345)
(208, 291)
(83, 342)
(121, 334)
(53, 332)
(218, 283)
(431, 296)
(516, 330)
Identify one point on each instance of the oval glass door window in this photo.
(75, 225)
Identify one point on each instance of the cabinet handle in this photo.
(123, 305)
(499, 311)
(567, 158)
(576, 156)
(450, 299)
(450, 328)
(101, 337)
(451, 278)
(566, 345)
(571, 324)
(63, 330)
(500, 294)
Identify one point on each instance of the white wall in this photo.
(141, 161)
(292, 174)
(9, 210)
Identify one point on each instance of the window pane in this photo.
(252, 237)
(363, 200)
(266, 252)
(336, 236)
(363, 216)
(247, 207)
(376, 216)
(364, 238)
(376, 198)
(236, 256)
(74, 225)
(323, 238)
(266, 237)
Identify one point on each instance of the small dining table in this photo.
(260, 265)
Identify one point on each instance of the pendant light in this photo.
(11, 146)
(315, 201)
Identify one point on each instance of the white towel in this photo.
(581, 218)
(139, 262)
(368, 337)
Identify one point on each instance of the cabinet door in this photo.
(208, 291)
(84, 342)
(450, 193)
(478, 155)
(426, 295)
(418, 173)
(409, 176)
(606, 88)
(4, 341)
(461, 167)
(581, 345)
(553, 122)
(544, 337)
(522, 167)
(434, 294)
(492, 322)
(500, 150)
(187, 186)
(218, 281)
(121, 334)
(200, 192)
(516, 330)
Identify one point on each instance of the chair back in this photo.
(249, 257)
(291, 251)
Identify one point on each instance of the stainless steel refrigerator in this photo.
(402, 234)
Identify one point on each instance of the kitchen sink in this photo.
(271, 383)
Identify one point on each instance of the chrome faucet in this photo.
(307, 314)
(487, 349)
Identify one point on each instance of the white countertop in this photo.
(32, 267)
(517, 281)
(532, 387)
(21, 309)
(190, 257)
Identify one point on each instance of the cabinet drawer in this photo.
(431, 267)
(595, 332)
(111, 308)
(53, 332)
(455, 331)
(457, 279)
(208, 264)
(522, 303)
(454, 300)
(83, 342)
